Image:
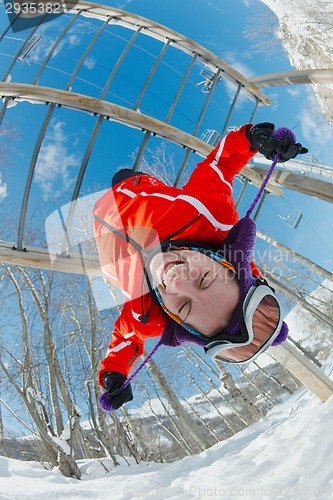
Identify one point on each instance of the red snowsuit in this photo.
(140, 212)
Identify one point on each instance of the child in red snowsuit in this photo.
(139, 214)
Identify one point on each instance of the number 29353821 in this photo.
(34, 8)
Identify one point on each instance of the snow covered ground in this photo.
(288, 454)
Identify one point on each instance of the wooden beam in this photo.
(298, 182)
(119, 114)
(303, 369)
(294, 77)
(298, 165)
(40, 258)
(295, 255)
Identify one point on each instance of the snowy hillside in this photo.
(288, 454)
(306, 31)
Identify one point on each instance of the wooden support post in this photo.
(305, 184)
(40, 258)
(303, 369)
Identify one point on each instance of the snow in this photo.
(287, 454)
(305, 29)
(32, 394)
(304, 327)
(62, 444)
(78, 410)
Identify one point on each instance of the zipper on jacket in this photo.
(122, 235)
(136, 349)
(134, 244)
(182, 228)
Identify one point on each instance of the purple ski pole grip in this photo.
(280, 133)
(104, 403)
(103, 400)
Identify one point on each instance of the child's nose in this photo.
(182, 285)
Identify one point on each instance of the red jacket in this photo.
(139, 213)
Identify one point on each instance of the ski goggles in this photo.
(259, 323)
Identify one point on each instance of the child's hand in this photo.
(261, 139)
(117, 396)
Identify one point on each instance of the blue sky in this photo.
(219, 26)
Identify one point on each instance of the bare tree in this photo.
(25, 379)
(262, 30)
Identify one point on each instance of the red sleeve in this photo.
(128, 339)
(218, 169)
(123, 351)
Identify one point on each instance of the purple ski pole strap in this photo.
(263, 185)
(103, 400)
(148, 357)
(279, 133)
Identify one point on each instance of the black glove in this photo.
(260, 138)
(112, 383)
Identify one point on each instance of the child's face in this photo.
(200, 291)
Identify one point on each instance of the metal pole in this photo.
(86, 52)
(203, 111)
(141, 150)
(254, 111)
(30, 176)
(10, 67)
(148, 134)
(4, 33)
(4, 108)
(209, 96)
(226, 124)
(256, 215)
(242, 192)
(86, 158)
(150, 76)
(120, 60)
(55, 45)
(184, 80)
